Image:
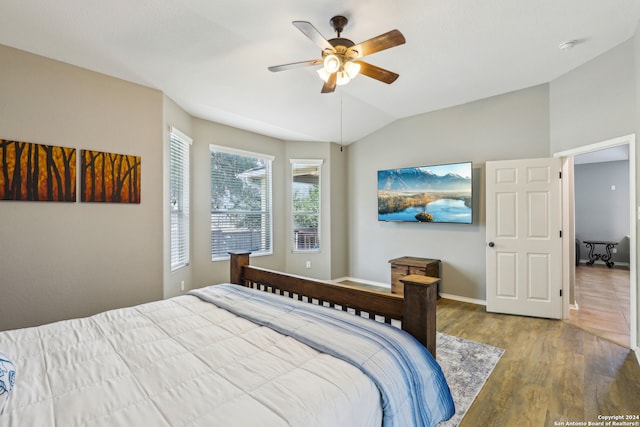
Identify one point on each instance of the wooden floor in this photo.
(551, 372)
(602, 296)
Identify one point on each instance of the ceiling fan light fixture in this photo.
(342, 78)
(332, 63)
(324, 75)
(352, 69)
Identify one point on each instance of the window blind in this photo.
(179, 200)
(241, 202)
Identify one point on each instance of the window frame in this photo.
(180, 257)
(294, 238)
(266, 235)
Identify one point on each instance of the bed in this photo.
(233, 355)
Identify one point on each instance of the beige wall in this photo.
(330, 261)
(594, 102)
(61, 260)
(339, 185)
(510, 126)
(205, 271)
(320, 260)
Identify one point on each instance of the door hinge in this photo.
(560, 174)
(560, 292)
(561, 234)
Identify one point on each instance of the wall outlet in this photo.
(307, 264)
(614, 250)
(182, 285)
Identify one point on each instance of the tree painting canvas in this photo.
(110, 178)
(37, 172)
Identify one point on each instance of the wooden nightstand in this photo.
(407, 265)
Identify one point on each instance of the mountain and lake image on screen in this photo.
(438, 193)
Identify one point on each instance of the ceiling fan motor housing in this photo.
(338, 23)
(341, 44)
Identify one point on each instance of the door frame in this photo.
(568, 221)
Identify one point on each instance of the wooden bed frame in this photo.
(416, 309)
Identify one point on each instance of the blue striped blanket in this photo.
(413, 388)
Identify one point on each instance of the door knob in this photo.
(491, 244)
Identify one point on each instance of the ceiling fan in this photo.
(341, 57)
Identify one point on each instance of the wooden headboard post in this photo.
(238, 260)
(420, 295)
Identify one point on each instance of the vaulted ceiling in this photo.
(211, 57)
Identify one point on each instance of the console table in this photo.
(408, 265)
(606, 257)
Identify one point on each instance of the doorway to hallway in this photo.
(600, 280)
(603, 302)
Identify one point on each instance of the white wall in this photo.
(61, 260)
(510, 126)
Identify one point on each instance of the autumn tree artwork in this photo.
(108, 177)
(37, 172)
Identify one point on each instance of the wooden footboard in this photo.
(416, 310)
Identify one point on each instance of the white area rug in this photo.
(466, 365)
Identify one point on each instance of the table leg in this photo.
(606, 258)
(592, 258)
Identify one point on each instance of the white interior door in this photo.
(524, 244)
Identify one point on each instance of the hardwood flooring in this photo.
(602, 296)
(551, 373)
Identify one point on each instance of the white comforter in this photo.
(179, 362)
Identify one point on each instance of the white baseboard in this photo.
(599, 262)
(463, 299)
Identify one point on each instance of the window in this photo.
(305, 204)
(241, 213)
(179, 145)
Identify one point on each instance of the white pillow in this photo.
(7, 381)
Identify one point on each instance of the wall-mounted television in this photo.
(435, 193)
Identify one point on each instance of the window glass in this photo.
(305, 204)
(241, 210)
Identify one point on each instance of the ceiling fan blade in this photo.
(294, 65)
(383, 41)
(330, 85)
(377, 73)
(310, 31)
